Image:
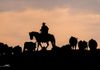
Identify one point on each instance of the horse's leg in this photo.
(37, 46)
(75, 47)
(41, 45)
(24, 49)
(47, 44)
(53, 44)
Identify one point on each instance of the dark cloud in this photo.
(7, 5)
(89, 5)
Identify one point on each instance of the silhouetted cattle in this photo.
(92, 44)
(73, 42)
(55, 49)
(66, 47)
(17, 50)
(9, 51)
(82, 45)
(29, 46)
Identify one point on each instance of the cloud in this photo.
(7, 5)
(76, 5)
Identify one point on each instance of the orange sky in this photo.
(62, 21)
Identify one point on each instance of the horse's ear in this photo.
(29, 33)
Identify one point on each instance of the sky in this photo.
(65, 18)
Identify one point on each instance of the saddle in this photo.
(44, 37)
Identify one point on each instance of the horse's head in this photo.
(35, 34)
(31, 35)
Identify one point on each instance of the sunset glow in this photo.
(19, 17)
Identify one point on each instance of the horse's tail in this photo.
(53, 41)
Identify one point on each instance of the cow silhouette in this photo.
(17, 50)
(66, 48)
(29, 46)
(73, 42)
(82, 45)
(92, 44)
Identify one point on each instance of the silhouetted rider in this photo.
(44, 29)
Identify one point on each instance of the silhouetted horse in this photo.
(29, 46)
(73, 42)
(43, 38)
(92, 44)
